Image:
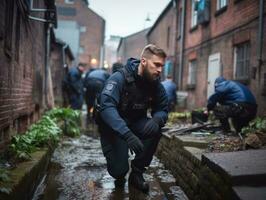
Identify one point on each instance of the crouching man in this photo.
(123, 121)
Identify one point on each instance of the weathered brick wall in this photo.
(196, 179)
(93, 38)
(21, 73)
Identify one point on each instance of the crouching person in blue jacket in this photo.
(235, 101)
(123, 121)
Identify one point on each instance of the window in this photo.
(221, 4)
(83, 29)
(81, 50)
(9, 26)
(242, 57)
(192, 71)
(66, 11)
(69, 1)
(194, 14)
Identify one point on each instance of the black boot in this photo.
(120, 182)
(136, 179)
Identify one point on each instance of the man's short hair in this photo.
(82, 64)
(152, 49)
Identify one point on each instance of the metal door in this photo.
(214, 71)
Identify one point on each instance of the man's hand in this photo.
(151, 127)
(133, 143)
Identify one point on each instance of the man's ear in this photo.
(143, 61)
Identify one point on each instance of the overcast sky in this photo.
(124, 17)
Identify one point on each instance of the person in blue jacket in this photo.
(75, 86)
(123, 121)
(170, 88)
(94, 83)
(235, 101)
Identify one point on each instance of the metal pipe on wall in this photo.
(260, 33)
(47, 59)
(180, 70)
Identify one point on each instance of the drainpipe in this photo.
(180, 71)
(260, 37)
(175, 37)
(47, 59)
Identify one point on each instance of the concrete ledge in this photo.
(231, 175)
(27, 175)
(241, 167)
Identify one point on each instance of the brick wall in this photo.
(21, 72)
(196, 179)
(93, 38)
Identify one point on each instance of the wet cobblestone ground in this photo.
(78, 171)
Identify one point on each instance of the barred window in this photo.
(221, 4)
(242, 61)
(192, 71)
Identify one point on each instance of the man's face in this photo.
(82, 68)
(152, 67)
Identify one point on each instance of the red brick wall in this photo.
(93, 38)
(238, 23)
(20, 102)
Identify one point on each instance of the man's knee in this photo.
(118, 170)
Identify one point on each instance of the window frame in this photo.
(219, 4)
(194, 15)
(192, 73)
(69, 1)
(242, 73)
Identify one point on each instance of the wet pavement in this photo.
(78, 171)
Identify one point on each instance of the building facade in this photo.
(221, 38)
(82, 29)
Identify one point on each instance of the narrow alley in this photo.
(78, 171)
(132, 100)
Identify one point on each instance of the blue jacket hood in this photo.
(132, 65)
(219, 80)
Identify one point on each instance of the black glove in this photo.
(133, 142)
(152, 126)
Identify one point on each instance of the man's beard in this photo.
(147, 76)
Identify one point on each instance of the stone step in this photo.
(246, 168)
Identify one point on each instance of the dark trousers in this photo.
(93, 88)
(241, 114)
(115, 150)
(76, 101)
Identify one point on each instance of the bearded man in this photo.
(133, 107)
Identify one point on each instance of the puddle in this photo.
(78, 171)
